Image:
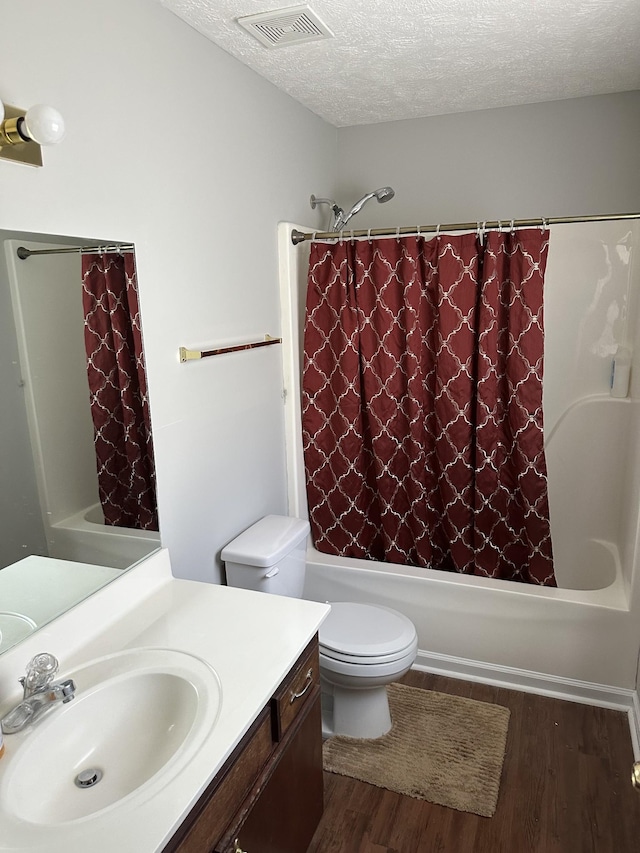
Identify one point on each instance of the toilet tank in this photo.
(269, 556)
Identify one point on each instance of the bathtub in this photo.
(581, 632)
(578, 641)
(500, 631)
(84, 538)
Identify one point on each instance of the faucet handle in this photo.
(40, 672)
(67, 690)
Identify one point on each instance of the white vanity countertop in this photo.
(251, 640)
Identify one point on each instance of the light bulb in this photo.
(44, 125)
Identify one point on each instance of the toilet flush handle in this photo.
(272, 572)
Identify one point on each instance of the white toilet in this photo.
(363, 647)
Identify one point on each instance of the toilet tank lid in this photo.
(266, 541)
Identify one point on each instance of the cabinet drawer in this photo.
(295, 690)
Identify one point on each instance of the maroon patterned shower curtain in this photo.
(422, 403)
(118, 391)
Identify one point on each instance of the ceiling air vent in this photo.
(282, 27)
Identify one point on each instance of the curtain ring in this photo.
(352, 238)
(499, 227)
(438, 232)
(512, 229)
(418, 230)
(543, 227)
(369, 235)
(341, 237)
(398, 234)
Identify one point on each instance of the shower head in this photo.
(384, 194)
(381, 195)
(340, 219)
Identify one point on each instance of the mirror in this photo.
(55, 547)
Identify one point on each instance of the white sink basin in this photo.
(136, 721)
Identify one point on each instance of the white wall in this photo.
(177, 147)
(565, 158)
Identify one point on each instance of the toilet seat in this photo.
(360, 674)
(366, 635)
(368, 660)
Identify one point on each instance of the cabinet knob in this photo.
(237, 848)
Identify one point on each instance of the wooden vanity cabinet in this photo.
(268, 796)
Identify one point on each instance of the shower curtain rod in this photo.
(301, 236)
(24, 253)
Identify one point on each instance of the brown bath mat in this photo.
(445, 749)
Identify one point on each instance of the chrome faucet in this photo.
(40, 693)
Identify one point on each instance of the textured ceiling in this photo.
(400, 59)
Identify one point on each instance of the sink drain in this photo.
(88, 778)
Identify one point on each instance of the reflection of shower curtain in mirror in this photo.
(118, 390)
(422, 403)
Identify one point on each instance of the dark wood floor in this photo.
(566, 788)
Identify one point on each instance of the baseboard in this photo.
(617, 698)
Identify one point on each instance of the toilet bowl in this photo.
(363, 647)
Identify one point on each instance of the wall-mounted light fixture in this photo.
(22, 133)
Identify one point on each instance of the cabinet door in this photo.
(284, 817)
(210, 816)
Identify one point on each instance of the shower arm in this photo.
(335, 209)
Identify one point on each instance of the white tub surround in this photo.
(251, 640)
